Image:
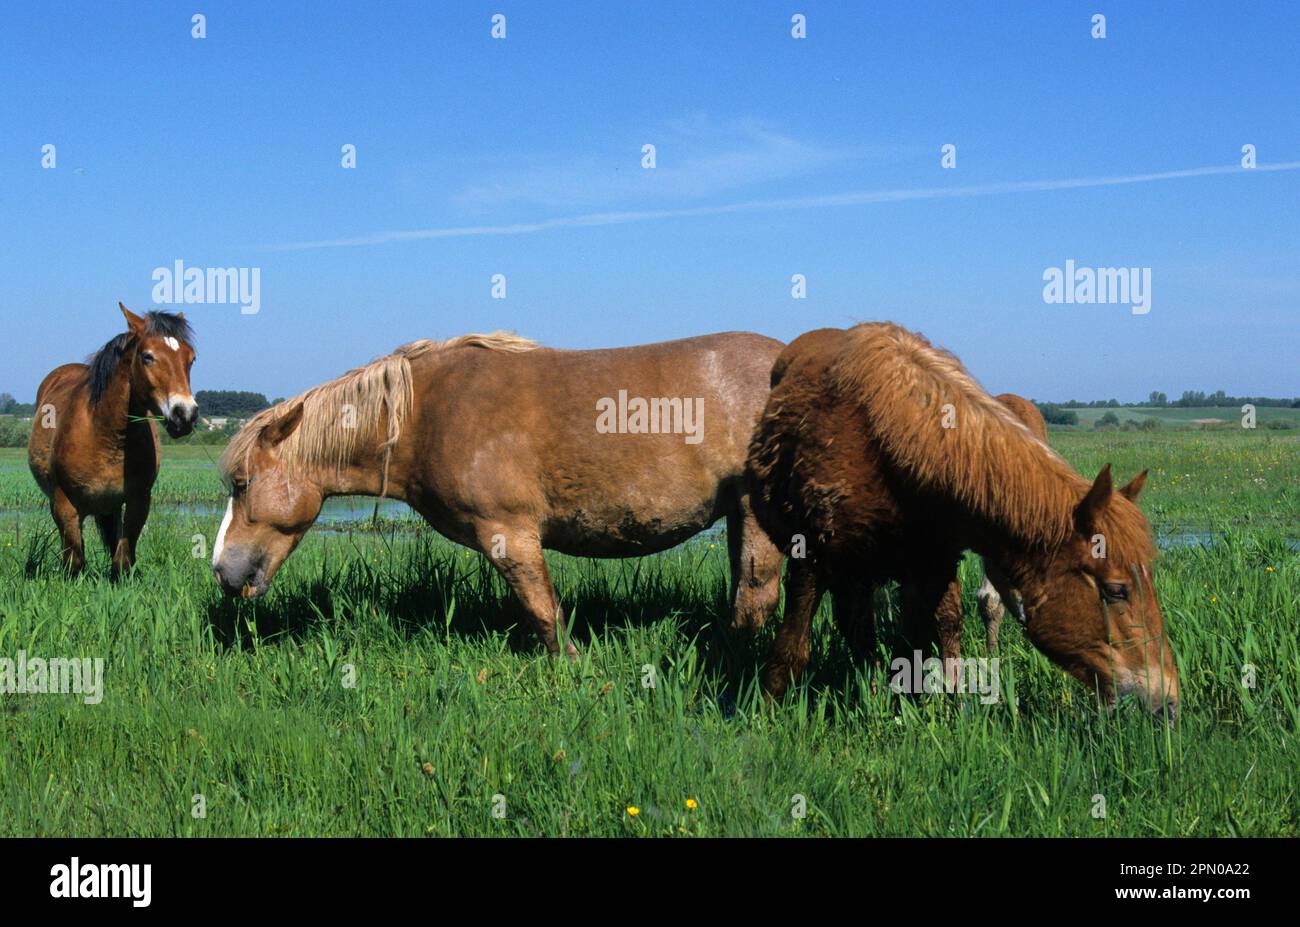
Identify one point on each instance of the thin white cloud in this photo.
(861, 198)
(697, 158)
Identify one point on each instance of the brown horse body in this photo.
(93, 450)
(510, 448)
(882, 458)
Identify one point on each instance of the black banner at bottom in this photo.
(229, 876)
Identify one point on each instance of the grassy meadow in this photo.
(1192, 416)
(380, 689)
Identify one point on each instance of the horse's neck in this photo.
(118, 407)
(1024, 565)
(362, 476)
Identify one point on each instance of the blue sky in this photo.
(225, 151)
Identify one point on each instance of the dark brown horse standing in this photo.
(511, 449)
(93, 449)
(884, 457)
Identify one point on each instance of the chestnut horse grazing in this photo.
(511, 448)
(884, 457)
(93, 449)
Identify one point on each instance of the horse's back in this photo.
(54, 400)
(560, 390)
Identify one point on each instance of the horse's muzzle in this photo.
(238, 575)
(180, 421)
(179, 414)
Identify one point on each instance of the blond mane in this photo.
(988, 459)
(370, 403)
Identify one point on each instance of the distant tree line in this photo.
(1191, 399)
(229, 403)
(1054, 414)
(222, 403)
(11, 406)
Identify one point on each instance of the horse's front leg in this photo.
(931, 613)
(133, 519)
(516, 552)
(68, 520)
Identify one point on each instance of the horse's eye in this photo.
(147, 357)
(238, 485)
(1114, 592)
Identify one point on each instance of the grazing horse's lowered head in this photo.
(334, 438)
(1090, 602)
(159, 347)
(270, 509)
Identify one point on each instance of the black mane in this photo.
(103, 363)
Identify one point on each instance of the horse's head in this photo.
(1093, 608)
(160, 368)
(271, 507)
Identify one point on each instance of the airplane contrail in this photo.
(860, 198)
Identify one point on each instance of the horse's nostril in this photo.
(222, 579)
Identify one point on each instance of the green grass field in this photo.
(1192, 417)
(379, 689)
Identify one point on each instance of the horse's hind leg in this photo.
(789, 656)
(755, 569)
(517, 556)
(68, 520)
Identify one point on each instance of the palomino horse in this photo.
(511, 448)
(93, 448)
(887, 460)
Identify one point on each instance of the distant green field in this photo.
(458, 725)
(1192, 417)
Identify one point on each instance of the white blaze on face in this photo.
(172, 343)
(221, 534)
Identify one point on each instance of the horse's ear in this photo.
(133, 321)
(1134, 486)
(1085, 516)
(281, 428)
